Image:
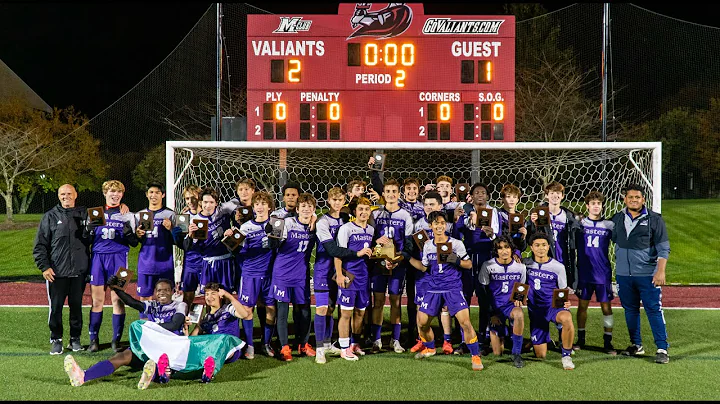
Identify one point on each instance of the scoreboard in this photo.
(381, 72)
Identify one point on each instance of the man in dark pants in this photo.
(62, 254)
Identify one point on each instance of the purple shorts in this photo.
(326, 298)
(221, 271)
(291, 294)
(503, 313)
(420, 289)
(349, 299)
(603, 291)
(146, 282)
(190, 280)
(540, 319)
(253, 289)
(393, 284)
(103, 266)
(433, 302)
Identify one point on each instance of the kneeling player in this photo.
(444, 288)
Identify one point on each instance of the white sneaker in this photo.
(348, 354)
(250, 352)
(567, 363)
(396, 346)
(356, 349)
(332, 350)
(320, 356)
(377, 345)
(74, 372)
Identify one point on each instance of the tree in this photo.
(151, 168)
(41, 151)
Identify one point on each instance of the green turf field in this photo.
(30, 373)
(695, 249)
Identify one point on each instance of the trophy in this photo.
(349, 277)
(543, 216)
(244, 214)
(420, 238)
(96, 216)
(516, 222)
(123, 275)
(560, 296)
(146, 221)
(183, 221)
(233, 241)
(201, 233)
(484, 217)
(195, 313)
(386, 252)
(462, 190)
(379, 164)
(519, 292)
(276, 225)
(443, 252)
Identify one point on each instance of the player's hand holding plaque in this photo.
(243, 214)
(462, 190)
(96, 216)
(183, 221)
(120, 279)
(444, 250)
(560, 296)
(484, 217)
(233, 240)
(275, 226)
(379, 164)
(519, 292)
(202, 229)
(386, 252)
(543, 216)
(420, 238)
(517, 221)
(146, 221)
(349, 277)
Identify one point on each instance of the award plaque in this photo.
(277, 225)
(516, 222)
(183, 221)
(96, 216)
(202, 225)
(484, 217)
(244, 214)
(543, 216)
(379, 164)
(123, 275)
(233, 241)
(195, 313)
(443, 252)
(461, 191)
(420, 238)
(146, 221)
(519, 292)
(560, 296)
(348, 277)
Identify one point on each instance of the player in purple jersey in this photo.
(290, 276)
(499, 275)
(594, 272)
(510, 195)
(443, 185)
(392, 225)
(444, 288)
(110, 246)
(169, 314)
(244, 190)
(290, 192)
(353, 296)
(544, 274)
(192, 259)
(155, 259)
(255, 281)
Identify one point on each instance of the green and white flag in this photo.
(186, 354)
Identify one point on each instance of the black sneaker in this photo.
(57, 348)
(518, 361)
(94, 346)
(610, 349)
(115, 346)
(634, 350)
(485, 350)
(579, 345)
(662, 356)
(74, 345)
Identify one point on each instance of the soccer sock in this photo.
(269, 330)
(517, 341)
(559, 328)
(581, 334)
(248, 329)
(446, 337)
(396, 332)
(95, 322)
(305, 319)
(262, 316)
(607, 337)
(320, 322)
(473, 346)
(344, 342)
(118, 322)
(98, 370)
(428, 344)
(566, 352)
(329, 328)
(375, 331)
(462, 335)
(283, 310)
(355, 338)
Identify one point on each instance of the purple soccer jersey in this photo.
(156, 251)
(415, 209)
(162, 313)
(109, 239)
(192, 256)
(292, 261)
(256, 258)
(442, 277)
(324, 268)
(477, 243)
(395, 225)
(501, 278)
(352, 236)
(543, 278)
(592, 249)
(218, 222)
(282, 213)
(223, 321)
(558, 223)
(422, 224)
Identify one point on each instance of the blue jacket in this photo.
(639, 242)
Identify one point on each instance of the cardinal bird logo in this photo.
(388, 22)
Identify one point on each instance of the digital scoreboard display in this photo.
(381, 72)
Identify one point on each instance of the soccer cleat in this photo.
(396, 346)
(518, 361)
(357, 350)
(579, 345)
(74, 345)
(115, 345)
(476, 362)
(148, 374)
(56, 348)
(286, 353)
(268, 350)
(208, 370)
(163, 365)
(250, 352)
(417, 347)
(320, 356)
(332, 350)
(377, 345)
(447, 348)
(462, 349)
(662, 356)
(74, 372)
(348, 354)
(425, 353)
(634, 350)
(94, 346)
(306, 350)
(567, 363)
(610, 349)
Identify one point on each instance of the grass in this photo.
(35, 375)
(695, 247)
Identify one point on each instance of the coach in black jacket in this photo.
(62, 254)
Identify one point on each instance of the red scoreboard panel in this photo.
(380, 73)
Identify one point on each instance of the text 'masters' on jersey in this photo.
(256, 259)
(560, 233)
(543, 278)
(156, 253)
(395, 225)
(163, 313)
(592, 255)
(442, 277)
(355, 238)
(415, 209)
(501, 278)
(109, 239)
(293, 256)
(326, 231)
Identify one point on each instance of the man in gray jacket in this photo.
(642, 249)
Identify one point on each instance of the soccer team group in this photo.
(269, 272)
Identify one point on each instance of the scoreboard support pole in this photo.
(283, 174)
(475, 172)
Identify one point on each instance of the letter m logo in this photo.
(424, 305)
(292, 24)
(245, 298)
(346, 299)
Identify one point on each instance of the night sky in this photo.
(88, 55)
